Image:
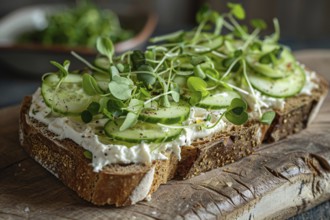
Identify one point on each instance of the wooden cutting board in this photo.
(278, 181)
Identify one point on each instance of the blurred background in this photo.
(304, 25)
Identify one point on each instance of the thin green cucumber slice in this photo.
(69, 97)
(141, 132)
(176, 113)
(282, 69)
(279, 88)
(219, 99)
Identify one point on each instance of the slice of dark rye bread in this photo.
(123, 185)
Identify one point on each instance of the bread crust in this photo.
(65, 159)
(123, 185)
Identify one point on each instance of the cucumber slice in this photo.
(69, 97)
(219, 99)
(141, 132)
(283, 69)
(176, 113)
(282, 87)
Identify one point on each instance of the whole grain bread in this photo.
(123, 185)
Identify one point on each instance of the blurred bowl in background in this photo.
(33, 59)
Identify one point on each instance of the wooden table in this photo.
(279, 180)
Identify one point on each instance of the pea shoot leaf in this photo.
(198, 91)
(94, 108)
(121, 87)
(105, 47)
(135, 107)
(88, 154)
(236, 112)
(114, 71)
(203, 13)
(259, 24)
(175, 89)
(196, 84)
(199, 72)
(115, 107)
(146, 75)
(145, 92)
(64, 69)
(138, 59)
(90, 85)
(268, 117)
(237, 10)
(195, 98)
(86, 116)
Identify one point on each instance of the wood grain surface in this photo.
(278, 181)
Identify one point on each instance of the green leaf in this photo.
(195, 98)
(88, 154)
(203, 13)
(86, 116)
(145, 92)
(258, 24)
(115, 107)
(238, 53)
(196, 60)
(265, 59)
(236, 119)
(107, 113)
(121, 87)
(198, 71)
(135, 107)
(236, 103)
(228, 62)
(208, 117)
(114, 71)
(212, 73)
(105, 47)
(147, 77)
(138, 59)
(237, 10)
(268, 117)
(236, 112)
(120, 67)
(175, 89)
(196, 84)
(90, 85)
(64, 69)
(94, 108)
(256, 46)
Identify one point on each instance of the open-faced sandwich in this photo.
(194, 101)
